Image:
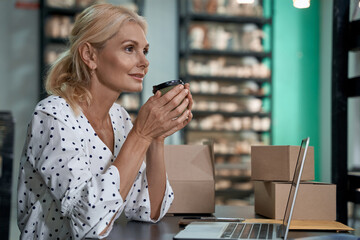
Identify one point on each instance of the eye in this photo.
(129, 48)
(146, 51)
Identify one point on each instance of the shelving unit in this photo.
(227, 60)
(7, 129)
(346, 38)
(55, 26)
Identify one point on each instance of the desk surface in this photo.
(167, 228)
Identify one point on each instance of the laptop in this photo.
(231, 230)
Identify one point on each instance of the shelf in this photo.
(226, 155)
(225, 131)
(227, 53)
(236, 179)
(52, 40)
(354, 35)
(230, 114)
(223, 95)
(227, 19)
(71, 11)
(353, 87)
(241, 166)
(223, 79)
(233, 193)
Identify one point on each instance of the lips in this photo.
(138, 76)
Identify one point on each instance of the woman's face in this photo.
(122, 64)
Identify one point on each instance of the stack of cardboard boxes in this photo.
(272, 169)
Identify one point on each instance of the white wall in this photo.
(162, 37)
(325, 88)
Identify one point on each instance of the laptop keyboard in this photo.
(264, 229)
(229, 230)
(251, 231)
(237, 231)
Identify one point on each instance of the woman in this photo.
(83, 161)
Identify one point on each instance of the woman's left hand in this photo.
(183, 124)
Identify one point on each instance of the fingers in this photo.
(189, 96)
(175, 96)
(179, 110)
(180, 123)
(164, 115)
(186, 103)
(173, 93)
(156, 96)
(177, 101)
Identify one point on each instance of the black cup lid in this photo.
(167, 84)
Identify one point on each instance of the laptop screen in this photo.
(293, 189)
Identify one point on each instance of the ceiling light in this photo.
(245, 1)
(301, 3)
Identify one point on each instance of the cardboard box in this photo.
(277, 163)
(315, 201)
(190, 170)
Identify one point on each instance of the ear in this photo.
(88, 55)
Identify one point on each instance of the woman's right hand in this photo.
(160, 114)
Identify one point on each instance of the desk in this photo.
(167, 228)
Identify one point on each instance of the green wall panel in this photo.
(296, 75)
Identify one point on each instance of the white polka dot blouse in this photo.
(68, 187)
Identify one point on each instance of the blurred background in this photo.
(260, 72)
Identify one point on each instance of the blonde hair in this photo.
(69, 76)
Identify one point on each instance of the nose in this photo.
(143, 62)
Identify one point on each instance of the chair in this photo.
(354, 192)
(6, 162)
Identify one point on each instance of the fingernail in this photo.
(181, 86)
(186, 91)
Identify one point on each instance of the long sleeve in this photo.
(68, 187)
(59, 158)
(139, 200)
